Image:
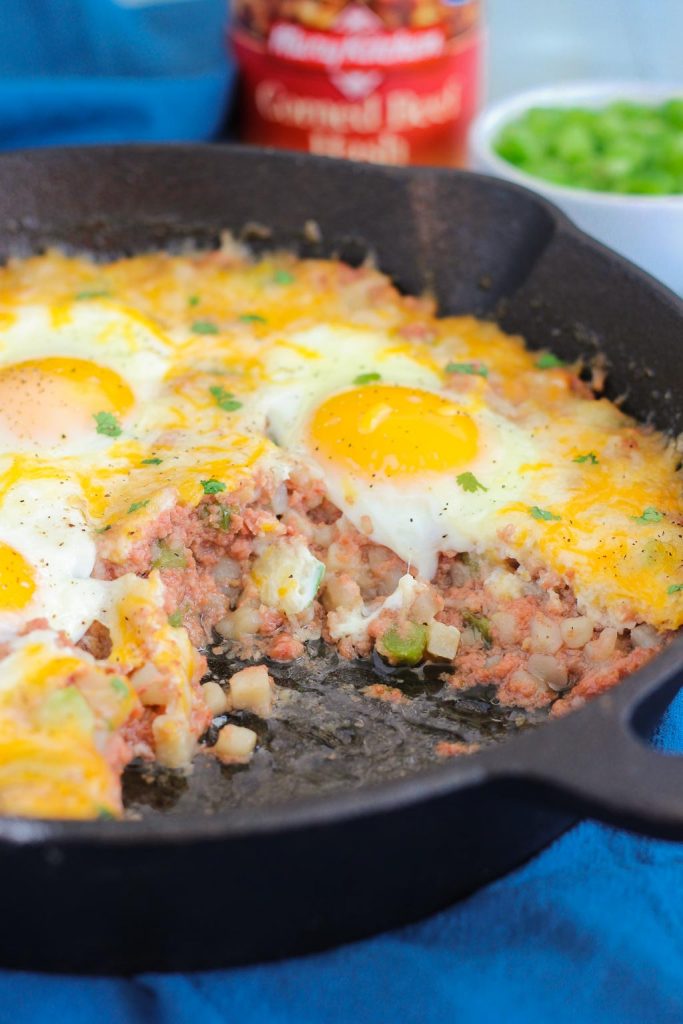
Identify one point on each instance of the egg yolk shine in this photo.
(392, 431)
(54, 399)
(17, 585)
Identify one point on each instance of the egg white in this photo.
(417, 516)
(97, 332)
(40, 520)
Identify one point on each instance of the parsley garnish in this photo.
(548, 361)
(92, 293)
(193, 300)
(118, 685)
(472, 369)
(674, 588)
(212, 486)
(283, 277)
(151, 462)
(204, 327)
(543, 513)
(469, 482)
(103, 529)
(588, 457)
(650, 515)
(224, 399)
(137, 505)
(175, 619)
(104, 813)
(107, 424)
(367, 378)
(252, 318)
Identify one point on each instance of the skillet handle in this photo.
(598, 763)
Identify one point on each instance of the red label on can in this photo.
(393, 82)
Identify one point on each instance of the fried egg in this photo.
(414, 467)
(73, 376)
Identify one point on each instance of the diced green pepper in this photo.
(480, 623)
(405, 645)
(168, 558)
(625, 147)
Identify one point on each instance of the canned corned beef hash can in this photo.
(387, 81)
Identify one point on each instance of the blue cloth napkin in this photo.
(588, 932)
(75, 71)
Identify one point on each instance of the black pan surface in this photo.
(344, 824)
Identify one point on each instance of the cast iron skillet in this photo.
(225, 882)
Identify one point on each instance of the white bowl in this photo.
(646, 229)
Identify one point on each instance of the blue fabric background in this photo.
(111, 70)
(588, 932)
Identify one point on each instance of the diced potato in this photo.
(244, 621)
(442, 640)
(215, 698)
(577, 631)
(151, 686)
(504, 585)
(173, 741)
(288, 576)
(252, 689)
(235, 745)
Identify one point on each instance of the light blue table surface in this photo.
(538, 42)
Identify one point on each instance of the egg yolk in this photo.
(56, 399)
(17, 584)
(392, 431)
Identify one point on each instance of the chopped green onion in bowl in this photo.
(625, 147)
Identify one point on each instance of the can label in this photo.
(391, 81)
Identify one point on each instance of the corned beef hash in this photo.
(211, 448)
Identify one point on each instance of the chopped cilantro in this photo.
(204, 327)
(674, 588)
(367, 378)
(92, 293)
(151, 462)
(193, 300)
(103, 813)
(543, 513)
(137, 505)
(103, 529)
(118, 686)
(283, 277)
(650, 515)
(588, 457)
(212, 486)
(469, 482)
(472, 369)
(548, 361)
(252, 318)
(224, 399)
(107, 424)
(175, 619)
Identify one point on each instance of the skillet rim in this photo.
(483, 767)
